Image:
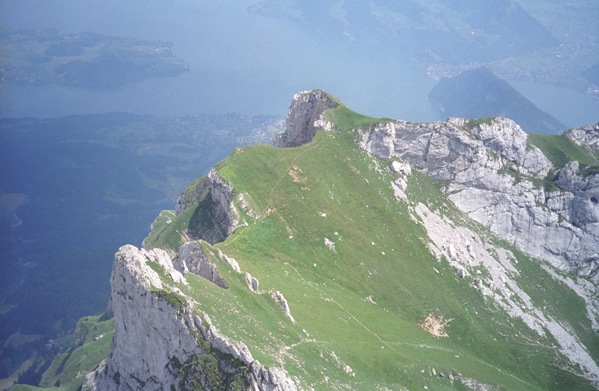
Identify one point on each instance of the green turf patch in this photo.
(560, 150)
(360, 281)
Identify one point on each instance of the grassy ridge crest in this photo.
(362, 301)
(325, 229)
(320, 224)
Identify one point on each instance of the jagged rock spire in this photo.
(305, 109)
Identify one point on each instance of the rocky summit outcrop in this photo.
(150, 333)
(303, 118)
(500, 179)
(585, 136)
(493, 173)
(162, 343)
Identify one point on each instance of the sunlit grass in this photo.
(360, 304)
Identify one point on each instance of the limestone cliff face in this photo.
(497, 177)
(303, 118)
(162, 343)
(150, 334)
(215, 217)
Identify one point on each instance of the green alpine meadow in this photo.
(344, 270)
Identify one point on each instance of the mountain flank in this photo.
(379, 254)
(479, 93)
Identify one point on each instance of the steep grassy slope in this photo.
(374, 304)
(94, 334)
(113, 172)
(560, 150)
(355, 267)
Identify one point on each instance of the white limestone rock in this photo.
(271, 379)
(231, 261)
(282, 302)
(400, 168)
(154, 335)
(150, 334)
(493, 175)
(191, 259)
(585, 136)
(305, 118)
(330, 244)
(504, 137)
(252, 282)
(400, 184)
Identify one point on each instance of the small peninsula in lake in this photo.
(87, 60)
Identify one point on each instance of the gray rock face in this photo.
(191, 259)
(282, 302)
(586, 136)
(303, 118)
(150, 334)
(270, 379)
(252, 282)
(578, 203)
(215, 218)
(160, 344)
(494, 176)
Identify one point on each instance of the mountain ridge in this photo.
(354, 262)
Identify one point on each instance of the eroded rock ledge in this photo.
(585, 136)
(161, 343)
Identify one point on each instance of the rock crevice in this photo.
(215, 217)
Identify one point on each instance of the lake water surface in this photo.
(241, 62)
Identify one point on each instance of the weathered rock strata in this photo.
(585, 136)
(160, 343)
(282, 302)
(496, 176)
(150, 333)
(191, 259)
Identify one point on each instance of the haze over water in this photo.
(239, 62)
